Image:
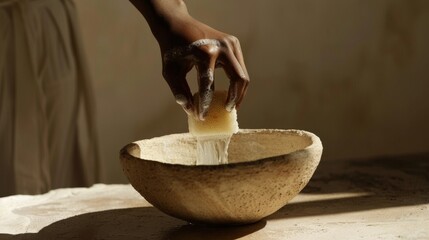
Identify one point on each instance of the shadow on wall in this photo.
(385, 182)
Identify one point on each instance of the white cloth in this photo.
(47, 134)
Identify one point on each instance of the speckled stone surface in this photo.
(380, 198)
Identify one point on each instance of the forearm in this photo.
(160, 14)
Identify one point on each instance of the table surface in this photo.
(380, 198)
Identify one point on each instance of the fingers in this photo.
(175, 76)
(204, 54)
(205, 85)
(237, 73)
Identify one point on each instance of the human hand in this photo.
(185, 43)
(190, 43)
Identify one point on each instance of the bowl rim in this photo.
(315, 146)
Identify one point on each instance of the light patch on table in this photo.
(29, 214)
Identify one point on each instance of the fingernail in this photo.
(188, 110)
(184, 103)
(200, 117)
(230, 106)
(203, 112)
(181, 99)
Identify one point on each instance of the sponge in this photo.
(218, 120)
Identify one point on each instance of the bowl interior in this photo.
(245, 146)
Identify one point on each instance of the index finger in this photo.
(175, 76)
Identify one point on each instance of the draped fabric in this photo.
(47, 133)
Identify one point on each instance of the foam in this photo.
(184, 51)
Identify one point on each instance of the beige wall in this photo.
(354, 72)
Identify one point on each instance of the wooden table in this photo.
(380, 198)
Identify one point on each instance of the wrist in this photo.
(162, 15)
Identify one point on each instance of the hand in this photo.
(185, 43)
(191, 43)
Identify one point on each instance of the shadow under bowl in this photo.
(266, 169)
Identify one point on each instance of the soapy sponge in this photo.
(218, 120)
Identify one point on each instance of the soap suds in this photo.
(185, 51)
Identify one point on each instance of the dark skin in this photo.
(185, 42)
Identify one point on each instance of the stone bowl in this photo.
(266, 169)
